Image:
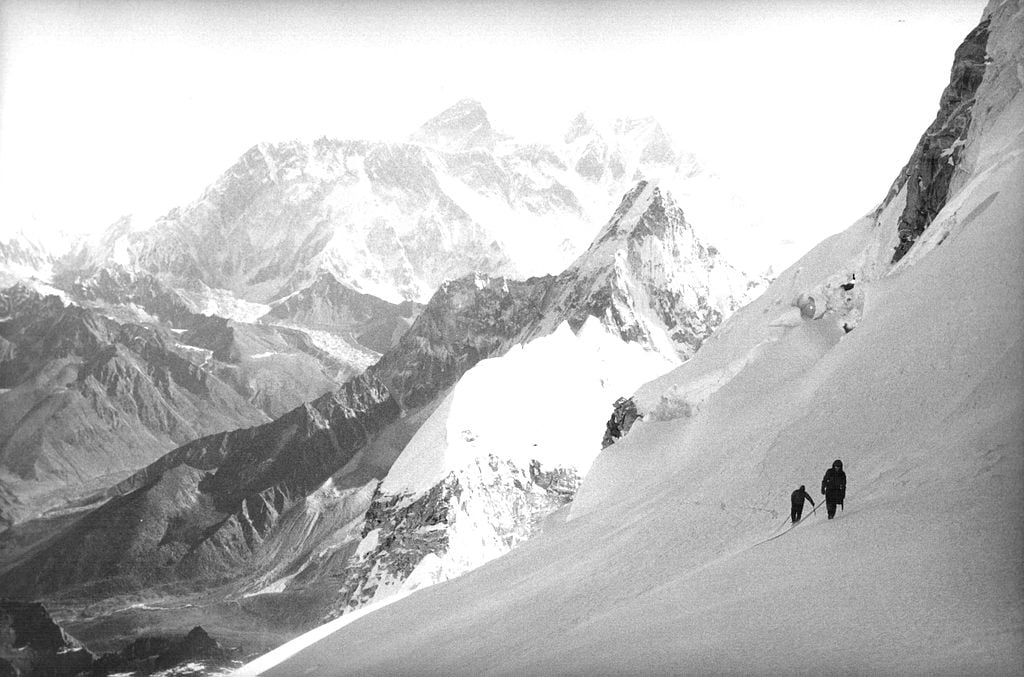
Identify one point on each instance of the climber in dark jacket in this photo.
(833, 485)
(796, 500)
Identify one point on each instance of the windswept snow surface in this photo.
(665, 566)
(547, 401)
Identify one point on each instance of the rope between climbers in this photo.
(786, 531)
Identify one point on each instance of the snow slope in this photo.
(528, 405)
(666, 566)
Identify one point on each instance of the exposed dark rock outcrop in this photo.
(32, 644)
(150, 654)
(624, 415)
(927, 175)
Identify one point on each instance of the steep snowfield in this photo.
(665, 565)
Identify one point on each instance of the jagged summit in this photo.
(463, 126)
(644, 210)
(648, 277)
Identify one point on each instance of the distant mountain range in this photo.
(288, 504)
(396, 219)
(213, 404)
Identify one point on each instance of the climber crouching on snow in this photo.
(833, 485)
(796, 500)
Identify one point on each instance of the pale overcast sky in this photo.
(807, 109)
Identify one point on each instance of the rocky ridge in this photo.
(924, 183)
(85, 399)
(149, 372)
(329, 305)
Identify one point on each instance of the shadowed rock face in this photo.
(624, 415)
(467, 320)
(301, 371)
(32, 644)
(148, 654)
(935, 159)
(199, 511)
(97, 388)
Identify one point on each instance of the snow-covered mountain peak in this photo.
(25, 258)
(579, 126)
(649, 278)
(22, 249)
(644, 210)
(647, 221)
(463, 126)
(395, 219)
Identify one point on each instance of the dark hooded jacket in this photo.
(833, 485)
(798, 496)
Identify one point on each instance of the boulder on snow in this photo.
(623, 416)
(807, 306)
